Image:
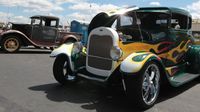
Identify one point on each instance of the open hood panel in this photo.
(107, 18)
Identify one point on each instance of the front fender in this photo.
(64, 49)
(134, 62)
(24, 36)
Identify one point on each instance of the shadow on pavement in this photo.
(88, 95)
(95, 97)
(171, 92)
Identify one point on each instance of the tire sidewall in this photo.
(58, 67)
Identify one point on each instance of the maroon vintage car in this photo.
(43, 32)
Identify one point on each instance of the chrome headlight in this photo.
(115, 53)
(77, 48)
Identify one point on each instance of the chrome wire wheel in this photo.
(150, 84)
(11, 44)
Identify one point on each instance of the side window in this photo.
(179, 21)
(126, 20)
(53, 23)
(49, 22)
(35, 21)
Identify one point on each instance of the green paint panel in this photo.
(193, 57)
(139, 58)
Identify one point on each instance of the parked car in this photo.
(42, 32)
(140, 48)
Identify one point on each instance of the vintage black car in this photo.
(43, 32)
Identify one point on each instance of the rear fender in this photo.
(69, 38)
(135, 61)
(193, 57)
(64, 49)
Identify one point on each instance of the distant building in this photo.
(196, 28)
(196, 25)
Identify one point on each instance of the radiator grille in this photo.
(99, 52)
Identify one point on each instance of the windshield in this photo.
(128, 27)
(142, 26)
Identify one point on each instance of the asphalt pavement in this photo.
(27, 85)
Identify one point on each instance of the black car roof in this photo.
(167, 9)
(41, 16)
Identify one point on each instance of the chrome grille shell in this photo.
(99, 52)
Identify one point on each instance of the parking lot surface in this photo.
(27, 85)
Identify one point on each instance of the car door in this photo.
(180, 37)
(49, 35)
(44, 34)
(179, 48)
(36, 33)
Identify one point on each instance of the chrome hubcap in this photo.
(11, 44)
(150, 85)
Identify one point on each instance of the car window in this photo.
(179, 22)
(49, 22)
(43, 23)
(53, 23)
(114, 25)
(161, 21)
(130, 30)
(126, 20)
(35, 21)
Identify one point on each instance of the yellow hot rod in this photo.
(140, 48)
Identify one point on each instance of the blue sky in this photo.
(84, 10)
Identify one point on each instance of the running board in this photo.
(182, 78)
(87, 75)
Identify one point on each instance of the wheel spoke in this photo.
(152, 89)
(11, 44)
(152, 75)
(146, 94)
